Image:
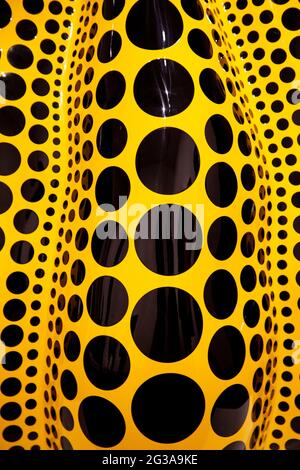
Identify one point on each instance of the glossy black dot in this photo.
(212, 86)
(168, 408)
(166, 324)
(248, 244)
(237, 445)
(14, 310)
(48, 46)
(193, 8)
(12, 361)
(295, 47)
(226, 353)
(11, 387)
(39, 110)
(26, 30)
(75, 308)
(218, 134)
(109, 46)
(291, 19)
(12, 120)
(38, 160)
(78, 272)
(101, 421)
(111, 138)
(200, 44)
(40, 87)
(248, 177)
(163, 88)
(107, 301)
(292, 444)
(6, 197)
(230, 410)
(33, 7)
(295, 424)
(248, 211)
(2, 239)
(20, 56)
(17, 282)
(12, 433)
(168, 239)
(10, 158)
(110, 90)
(167, 160)
(12, 86)
(52, 26)
(72, 346)
(26, 221)
(11, 411)
(221, 184)
(109, 244)
(248, 278)
(12, 335)
(38, 134)
(55, 7)
(32, 190)
(146, 32)
(106, 362)
(5, 14)
(244, 143)
(222, 238)
(22, 252)
(68, 384)
(66, 418)
(112, 8)
(220, 294)
(112, 188)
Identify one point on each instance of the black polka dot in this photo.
(68, 384)
(295, 47)
(39, 110)
(230, 410)
(212, 86)
(248, 211)
(145, 31)
(222, 238)
(32, 190)
(109, 46)
(248, 177)
(163, 88)
(107, 301)
(65, 443)
(168, 408)
(244, 143)
(6, 197)
(40, 87)
(22, 252)
(167, 160)
(12, 86)
(12, 335)
(237, 445)
(168, 239)
(256, 347)
(17, 282)
(66, 418)
(291, 19)
(38, 160)
(218, 134)
(2, 239)
(221, 184)
(12, 361)
(12, 120)
(251, 313)
(248, 244)
(193, 8)
(109, 244)
(111, 138)
(33, 7)
(248, 278)
(26, 221)
(5, 14)
(226, 353)
(220, 294)
(11, 387)
(10, 158)
(292, 444)
(20, 56)
(12, 433)
(200, 43)
(38, 134)
(71, 346)
(106, 362)
(101, 422)
(112, 188)
(112, 8)
(75, 308)
(48, 46)
(26, 30)
(78, 272)
(14, 310)
(166, 324)
(110, 90)
(11, 411)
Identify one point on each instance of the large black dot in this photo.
(101, 421)
(168, 408)
(68, 384)
(14, 310)
(10, 158)
(11, 387)
(167, 160)
(12, 360)
(75, 308)
(112, 188)
(20, 56)
(12, 433)
(5, 14)
(6, 197)
(212, 86)
(109, 244)
(220, 294)
(248, 278)
(163, 88)
(32, 190)
(12, 86)
(166, 324)
(38, 160)
(256, 347)
(106, 362)
(111, 138)
(230, 410)
(251, 313)
(12, 120)
(22, 252)
(26, 30)
(218, 134)
(295, 47)
(26, 221)
(110, 89)
(168, 239)
(66, 418)
(291, 19)
(222, 238)
(72, 346)
(12, 410)
(109, 46)
(193, 8)
(112, 8)
(226, 353)
(146, 31)
(221, 184)
(107, 301)
(237, 445)
(17, 282)
(33, 7)
(200, 43)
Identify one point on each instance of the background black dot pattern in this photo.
(211, 89)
